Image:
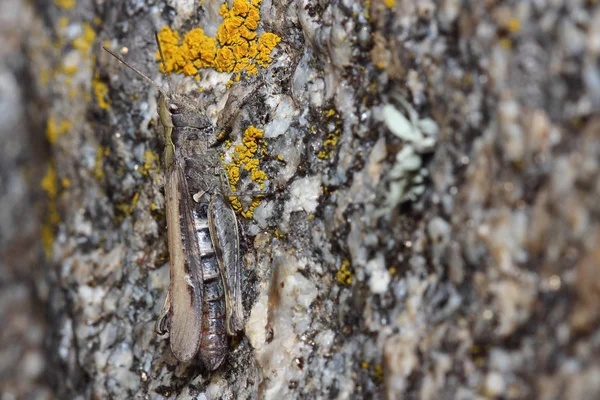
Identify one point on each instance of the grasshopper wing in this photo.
(224, 233)
(186, 285)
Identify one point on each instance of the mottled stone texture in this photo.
(434, 224)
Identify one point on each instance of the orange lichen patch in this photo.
(266, 43)
(245, 158)
(54, 129)
(236, 48)
(202, 49)
(225, 61)
(65, 4)
(101, 92)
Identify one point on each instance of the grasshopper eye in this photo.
(173, 109)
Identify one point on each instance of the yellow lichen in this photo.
(84, 42)
(278, 234)
(389, 3)
(51, 130)
(378, 373)
(513, 25)
(333, 137)
(50, 185)
(44, 77)
(151, 163)
(49, 182)
(63, 22)
(506, 43)
(266, 43)
(344, 274)
(65, 4)
(236, 48)
(99, 164)
(101, 92)
(69, 69)
(245, 157)
(54, 129)
(127, 209)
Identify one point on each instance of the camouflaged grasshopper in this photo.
(204, 303)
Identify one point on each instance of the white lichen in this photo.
(304, 195)
(419, 136)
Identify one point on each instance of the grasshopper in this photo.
(203, 305)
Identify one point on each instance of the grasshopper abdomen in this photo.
(214, 342)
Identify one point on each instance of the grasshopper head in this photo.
(179, 110)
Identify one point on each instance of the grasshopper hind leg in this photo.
(224, 233)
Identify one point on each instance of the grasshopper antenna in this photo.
(162, 60)
(160, 89)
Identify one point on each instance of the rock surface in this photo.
(433, 223)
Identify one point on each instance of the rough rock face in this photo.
(431, 227)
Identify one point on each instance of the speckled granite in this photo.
(433, 230)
